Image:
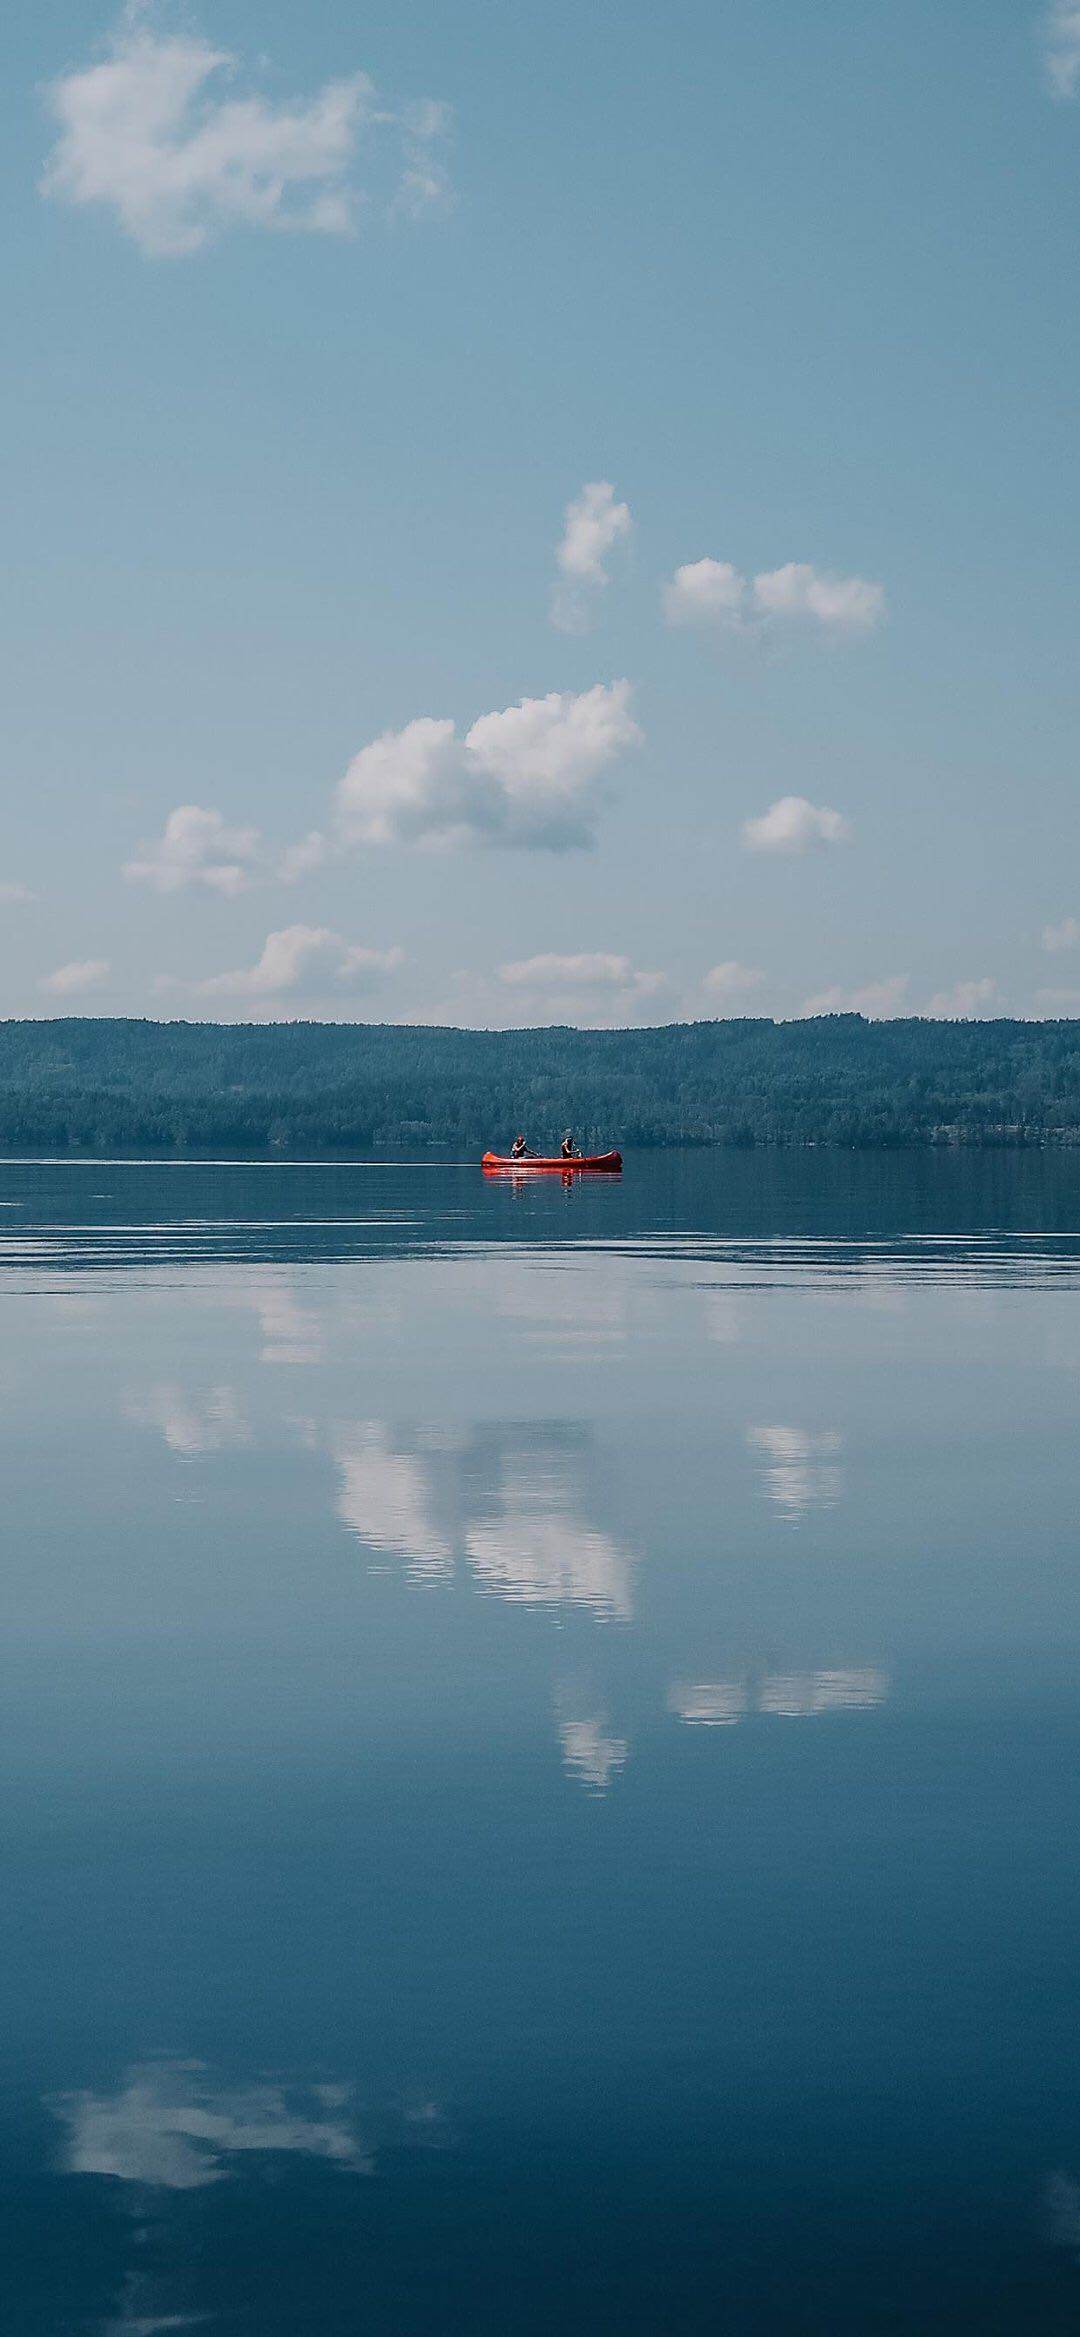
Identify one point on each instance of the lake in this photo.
(541, 1748)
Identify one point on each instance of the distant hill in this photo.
(102, 1085)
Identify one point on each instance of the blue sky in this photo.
(304, 371)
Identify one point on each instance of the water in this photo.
(541, 1748)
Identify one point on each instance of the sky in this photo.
(521, 515)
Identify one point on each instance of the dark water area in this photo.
(541, 1740)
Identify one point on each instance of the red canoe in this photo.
(609, 1163)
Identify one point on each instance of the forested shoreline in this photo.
(97, 1085)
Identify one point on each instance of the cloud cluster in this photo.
(877, 1000)
(726, 983)
(154, 132)
(715, 596)
(587, 970)
(14, 894)
(1061, 47)
(303, 957)
(590, 986)
(527, 777)
(196, 849)
(76, 978)
(1063, 936)
(794, 825)
(594, 525)
(965, 1001)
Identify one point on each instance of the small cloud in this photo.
(705, 592)
(424, 185)
(291, 958)
(527, 777)
(794, 825)
(12, 895)
(965, 1001)
(1061, 48)
(594, 525)
(1064, 1002)
(1063, 936)
(72, 980)
(847, 604)
(729, 981)
(579, 987)
(877, 1000)
(154, 131)
(196, 849)
(714, 595)
(589, 970)
(301, 859)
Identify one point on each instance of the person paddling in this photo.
(568, 1149)
(519, 1150)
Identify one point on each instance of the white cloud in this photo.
(527, 777)
(964, 1001)
(595, 524)
(196, 849)
(302, 859)
(11, 895)
(878, 1000)
(794, 825)
(425, 181)
(1058, 1000)
(1061, 47)
(729, 981)
(590, 970)
(713, 594)
(154, 131)
(1063, 936)
(586, 986)
(294, 956)
(72, 980)
(705, 592)
(848, 603)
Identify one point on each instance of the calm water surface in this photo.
(541, 1780)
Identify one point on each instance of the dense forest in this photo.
(105, 1085)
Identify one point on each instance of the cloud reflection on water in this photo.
(778, 1695)
(506, 1501)
(173, 2126)
(802, 1469)
(192, 1424)
(591, 1754)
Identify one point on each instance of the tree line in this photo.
(83, 1083)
